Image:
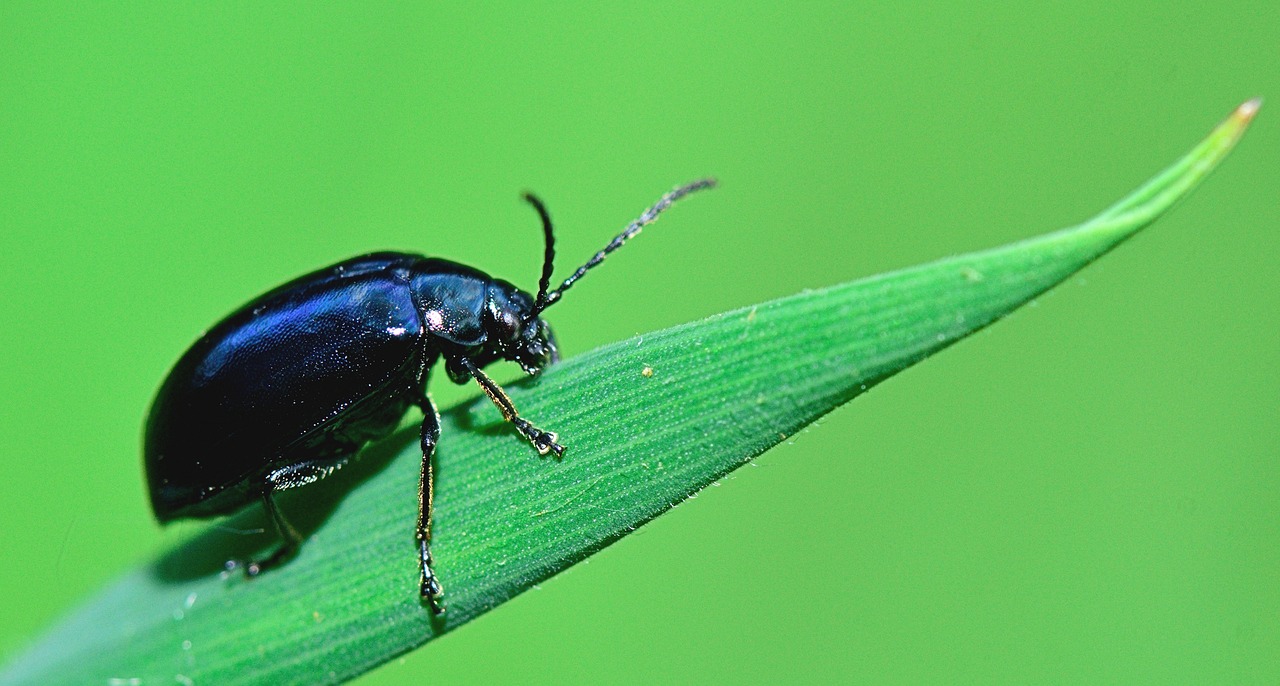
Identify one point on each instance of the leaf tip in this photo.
(1226, 135)
(1244, 113)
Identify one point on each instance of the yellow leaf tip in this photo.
(1249, 108)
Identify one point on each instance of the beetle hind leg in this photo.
(291, 540)
(430, 590)
(281, 479)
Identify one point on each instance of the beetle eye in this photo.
(508, 325)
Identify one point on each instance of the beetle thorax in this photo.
(467, 313)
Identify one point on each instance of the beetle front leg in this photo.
(543, 441)
(430, 590)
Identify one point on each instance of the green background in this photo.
(1084, 493)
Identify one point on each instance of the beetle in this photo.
(286, 389)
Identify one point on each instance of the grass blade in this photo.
(721, 391)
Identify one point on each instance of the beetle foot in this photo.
(249, 569)
(547, 443)
(431, 592)
(253, 568)
(433, 595)
(543, 441)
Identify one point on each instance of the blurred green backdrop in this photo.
(1085, 493)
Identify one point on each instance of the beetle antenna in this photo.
(549, 255)
(650, 216)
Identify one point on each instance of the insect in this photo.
(286, 389)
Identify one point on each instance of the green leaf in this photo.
(648, 421)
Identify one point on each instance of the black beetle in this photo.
(287, 388)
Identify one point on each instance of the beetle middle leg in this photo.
(430, 590)
(543, 441)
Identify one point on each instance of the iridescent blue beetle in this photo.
(290, 386)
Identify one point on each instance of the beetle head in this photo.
(514, 328)
(514, 332)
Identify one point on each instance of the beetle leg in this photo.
(292, 539)
(543, 441)
(431, 591)
(279, 480)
